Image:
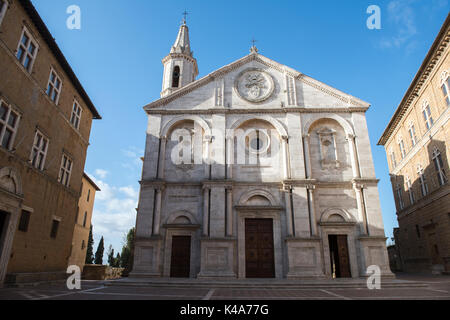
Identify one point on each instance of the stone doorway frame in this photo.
(181, 230)
(260, 212)
(346, 229)
(11, 199)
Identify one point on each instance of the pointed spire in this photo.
(182, 43)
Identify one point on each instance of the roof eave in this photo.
(401, 109)
(50, 41)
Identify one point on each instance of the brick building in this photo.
(45, 124)
(417, 145)
(83, 222)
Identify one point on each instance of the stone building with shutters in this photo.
(255, 171)
(417, 144)
(45, 124)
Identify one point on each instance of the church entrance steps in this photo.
(262, 283)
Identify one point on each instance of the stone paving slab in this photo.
(435, 289)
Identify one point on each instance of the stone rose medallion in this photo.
(254, 85)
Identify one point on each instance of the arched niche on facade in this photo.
(179, 119)
(10, 180)
(185, 148)
(328, 148)
(182, 218)
(258, 198)
(274, 122)
(336, 215)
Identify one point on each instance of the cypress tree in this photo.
(90, 249)
(99, 252)
(110, 254)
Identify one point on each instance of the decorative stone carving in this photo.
(328, 150)
(254, 85)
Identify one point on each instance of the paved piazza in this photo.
(438, 289)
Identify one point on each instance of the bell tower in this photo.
(180, 66)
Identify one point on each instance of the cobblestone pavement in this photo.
(438, 289)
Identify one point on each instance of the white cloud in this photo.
(134, 154)
(114, 213)
(101, 173)
(401, 16)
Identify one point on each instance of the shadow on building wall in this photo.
(422, 200)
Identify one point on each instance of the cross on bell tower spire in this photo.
(180, 66)
(185, 14)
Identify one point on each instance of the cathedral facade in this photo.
(256, 171)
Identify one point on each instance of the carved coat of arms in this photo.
(254, 85)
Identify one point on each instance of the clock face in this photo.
(254, 85)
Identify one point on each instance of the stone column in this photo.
(287, 196)
(229, 211)
(285, 146)
(162, 157)
(312, 208)
(207, 160)
(230, 157)
(205, 211)
(306, 143)
(353, 155)
(361, 209)
(157, 224)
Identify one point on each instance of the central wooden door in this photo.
(339, 256)
(180, 265)
(259, 248)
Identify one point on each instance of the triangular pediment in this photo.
(261, 77)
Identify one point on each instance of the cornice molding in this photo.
(258, 110)
(435, 54)
(267, 62)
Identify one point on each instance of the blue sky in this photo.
(117, 57)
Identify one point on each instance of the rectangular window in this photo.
(440, 171)
(66, 169)
(402, 149)
(3, 7)
(427, 117)
(27, 50)
(400, 198)
(423, 182)
(410, 191)
(412, 135)
(9, 122)
(39, 151)
(24, 221)
(55, 227)
(75, 119)
(54, 87)
(445, 93)
(393, 161)
(85, 220)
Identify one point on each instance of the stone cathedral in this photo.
(255, 171)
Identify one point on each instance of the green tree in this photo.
(99, 252)
(117, 261)
(127, 255)
(90, 249)
(110, 254)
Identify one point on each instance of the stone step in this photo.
(262, 284)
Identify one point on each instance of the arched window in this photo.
(176, 77)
